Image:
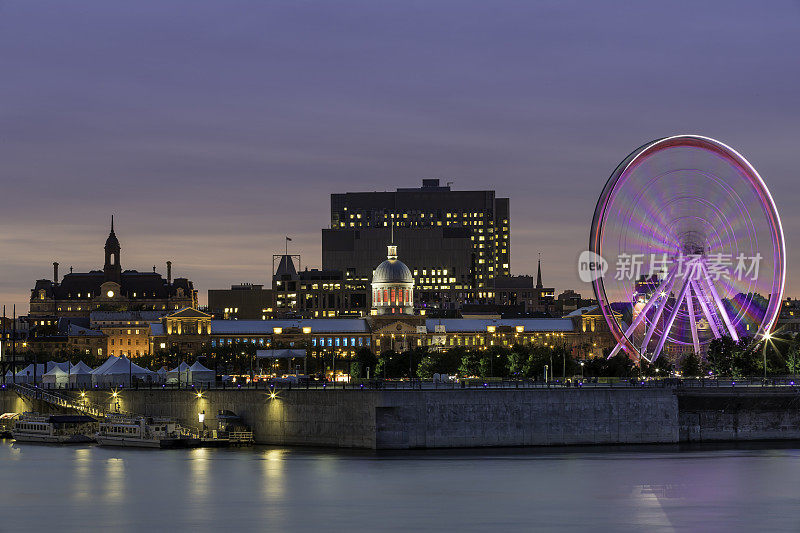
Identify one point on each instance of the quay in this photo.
(472, 417)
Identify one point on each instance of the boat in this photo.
(143, 432)
(7, 421)
(54, 429)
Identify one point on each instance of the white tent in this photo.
(161, 375)
(80, 375)
(121, 372)
(179, 374)
(52, 364)
(26, 374)
(55, 378)
(200, 374)
(102, 368)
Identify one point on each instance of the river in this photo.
(649, 488)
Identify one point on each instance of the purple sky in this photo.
(213, 129)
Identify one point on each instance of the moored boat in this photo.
(143, 432)
(54, 429)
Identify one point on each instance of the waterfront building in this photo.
(77, 294)
(457, 242)
(583, 332)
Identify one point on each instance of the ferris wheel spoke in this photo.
(640, 317)
(687, 196)
(692, 321)
(701, 300)
(674, 313)
(704, 279)
(657, 317)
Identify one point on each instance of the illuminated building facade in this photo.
(110, 289)
(392, 286)
(457, 242)
(582, 332)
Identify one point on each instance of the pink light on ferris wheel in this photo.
(698, 209)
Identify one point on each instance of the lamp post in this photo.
(582, 369)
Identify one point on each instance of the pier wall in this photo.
(738, 414)
(475, 417)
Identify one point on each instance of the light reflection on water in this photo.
(573, 489)
(114, 478)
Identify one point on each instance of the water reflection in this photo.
(273, 469)
(198, 473)
(286, 489)
(114, 488)
(81, 481)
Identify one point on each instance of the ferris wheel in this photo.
(691, 247)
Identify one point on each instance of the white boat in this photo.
(143, 432)
(54, 429)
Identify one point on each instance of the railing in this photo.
(66, 401)
(83, 404)
(240, 437)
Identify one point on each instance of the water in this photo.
(88, 488)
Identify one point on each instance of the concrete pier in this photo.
(474, 417)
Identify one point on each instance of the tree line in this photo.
(724, 357)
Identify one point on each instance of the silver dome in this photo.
(392, 271)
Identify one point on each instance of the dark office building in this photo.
(245, 301)
(305, 293)
(454, 242)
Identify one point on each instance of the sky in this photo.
(211, 130)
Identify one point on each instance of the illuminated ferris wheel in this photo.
(691, 246)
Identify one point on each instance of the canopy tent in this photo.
(102, 368)
(200, 374)
(161, 375)
(55, 378)
(179, 374)
(26, 374)
(121, 372)
(52, 364)
(80, 375)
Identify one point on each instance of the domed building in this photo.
(392, 287)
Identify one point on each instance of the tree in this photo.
(720, 356)
(364, 359)
(691, 365)
(792, 356)
(619, 366)
(471, 364)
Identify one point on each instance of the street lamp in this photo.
(582, 369)
(767, 338)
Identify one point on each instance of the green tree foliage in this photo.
(364, 360)
(662, 367)
(721, 356)
(619, 366)
(792, 356)
(691, 365)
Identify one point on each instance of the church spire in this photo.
(112, 268)
(539, 273)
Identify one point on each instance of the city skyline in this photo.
(372, 98)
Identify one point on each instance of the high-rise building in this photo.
(457, 242)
